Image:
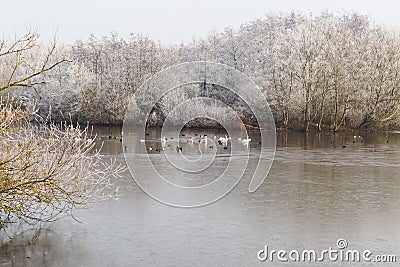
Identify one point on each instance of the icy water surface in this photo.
(321, 187)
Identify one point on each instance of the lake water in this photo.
(321, 188)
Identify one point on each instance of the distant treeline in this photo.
(329, 71)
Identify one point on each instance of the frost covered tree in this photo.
(326, 72)
(112, 70)
(24, 61)
(46, 169)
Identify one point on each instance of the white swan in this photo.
(224, 139)
(245, 140)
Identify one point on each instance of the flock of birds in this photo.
(198, 138)
(355, 137)
(222, 141)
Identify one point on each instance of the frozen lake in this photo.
(320, 188)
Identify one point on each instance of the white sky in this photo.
(171, 21)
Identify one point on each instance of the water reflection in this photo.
(322, 186)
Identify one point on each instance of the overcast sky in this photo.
(171, 21)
